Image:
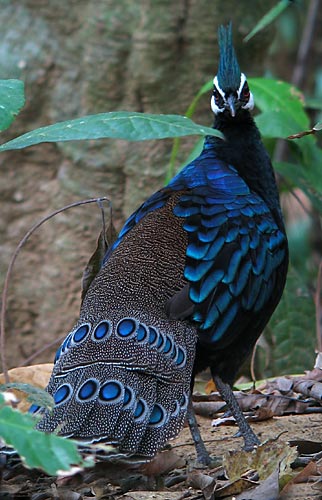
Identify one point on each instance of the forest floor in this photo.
(173, 475)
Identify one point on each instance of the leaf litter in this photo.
(280, 466)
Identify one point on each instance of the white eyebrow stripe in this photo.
(214, 106)
(216, 84)
(242, 81)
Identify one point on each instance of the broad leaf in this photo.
(276, 124)
(12, 99)
(35, 396)
(126, 125)
(37, 449)
(281, 98)
(268, 18)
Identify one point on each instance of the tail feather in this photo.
(167, 418)
(129, 392)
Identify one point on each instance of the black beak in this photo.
(231, 105)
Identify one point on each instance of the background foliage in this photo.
(283, 109)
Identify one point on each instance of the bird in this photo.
(190, 282)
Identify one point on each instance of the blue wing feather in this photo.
(234, 250)
(234, 245)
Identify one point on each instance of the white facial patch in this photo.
(250, 103)
(214, 106)
(216, 109)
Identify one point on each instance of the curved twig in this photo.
(11, 265)
(40, 351)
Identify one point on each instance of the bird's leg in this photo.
(250, 438)
(202, 453)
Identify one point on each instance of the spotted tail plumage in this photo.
(191, 281)
(123, 374)
(137, 395)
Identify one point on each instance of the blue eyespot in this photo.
(174, 352)
(126, 327)
(111, 391)
(101, 330)
(153, 335)
(157, 416)
(168, 345)
(142, 333)
(140, 409)
(88, 390)
(183, 402)
(161, 341)
(128, 397)
(80, 333)
(62, 394)
(181, 357)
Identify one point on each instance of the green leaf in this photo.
(282, 99)
(268, 18)
(318, 126)
(126, 125)
(37, 449)
(291, 331)
(12, 99)
(36, 396)
(274, 124)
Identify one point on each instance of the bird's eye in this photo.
(245, 93)
(218, 98)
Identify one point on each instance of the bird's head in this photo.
(231, 92)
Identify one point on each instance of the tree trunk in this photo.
(80, 58)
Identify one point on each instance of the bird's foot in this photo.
(203, 457)
(250, 438)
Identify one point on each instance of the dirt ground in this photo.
(116, 483)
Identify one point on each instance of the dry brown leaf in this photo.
(210, 387)
(315, 374)
(312, 469)
(266, 490)
(203, 482)
(306, 447)
(302, 477)
(151, 495)
(277, 400)
(162, 463)
(284, 385)
(234, 488)
(208, 409)
(265, 459)
(309, 388)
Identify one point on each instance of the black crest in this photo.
(228, 71)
